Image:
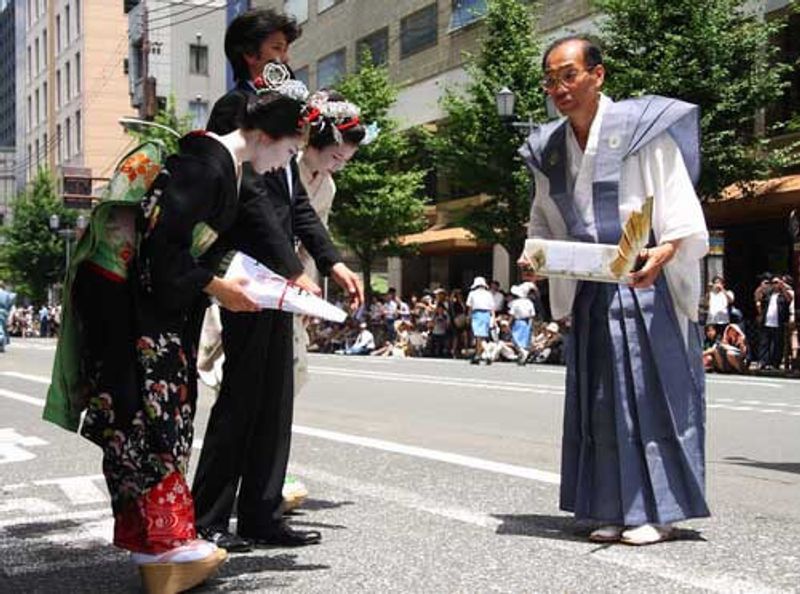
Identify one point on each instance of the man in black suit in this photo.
(246, 447)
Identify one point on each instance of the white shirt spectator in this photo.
(499, 301)
(480, 299)
(390, 309)
(522, 309)
(718, 302)
(364, 340)
(771, 320)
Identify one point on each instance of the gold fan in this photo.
(635, 236)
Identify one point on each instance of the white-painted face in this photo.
(334, 157)
(270, 154)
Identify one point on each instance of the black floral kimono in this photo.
(141, 339)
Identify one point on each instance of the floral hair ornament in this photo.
(342, 115)
(277, 78)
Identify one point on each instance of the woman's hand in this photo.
(525, 270)
(304, 282)
(350, 282)
(654, 260)
(231, 294)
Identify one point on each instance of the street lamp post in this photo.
(67, 233)
(505, 100)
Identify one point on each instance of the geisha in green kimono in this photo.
(126, 360)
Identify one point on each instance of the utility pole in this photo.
(149, 105)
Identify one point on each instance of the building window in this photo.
(45, 148)
(58, 32)
(60, 144)
(78, 73)
(38, 153)
(297, 8)
(68, 77)
(38, 56)
(30, 157)
(44, 47)
(198, 59)
(45, 99)
(378, 45)
(38, 108)
(30, 64)
(66, 24)
(301, 74)
(418, 31)
(330, 69)
(466, 12)
(30, 113)
(78, 132)
(58, 88)
(68, 143)
(323, 5)
(77, 17)
(198, 110)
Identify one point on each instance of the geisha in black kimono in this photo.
(141, 337)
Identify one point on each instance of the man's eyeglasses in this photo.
(566, 77)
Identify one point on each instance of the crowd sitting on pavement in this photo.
(29, 321)
(437, 323)
(768, 342)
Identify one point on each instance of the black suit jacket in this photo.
(269, 215)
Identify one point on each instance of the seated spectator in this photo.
(710, 343)
(548, 345)
(730, 355)
(501, 344)
(364, 343)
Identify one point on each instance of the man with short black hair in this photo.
(247, 442)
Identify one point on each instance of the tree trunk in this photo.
(366, 272)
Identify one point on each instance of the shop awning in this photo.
(435, 242)
(770, 199)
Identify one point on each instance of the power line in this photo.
(180, 12)
(189, 19)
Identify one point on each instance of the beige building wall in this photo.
(80, 83)
(105, 96)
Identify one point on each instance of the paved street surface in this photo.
(425, 476)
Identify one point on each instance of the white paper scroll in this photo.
(272, 291)
(596, 262)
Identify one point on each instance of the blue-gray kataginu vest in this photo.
(627, 127)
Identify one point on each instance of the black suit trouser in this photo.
(247, 442)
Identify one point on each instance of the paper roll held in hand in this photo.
(272, 291)
(595, 262)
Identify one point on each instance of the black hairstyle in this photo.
(248, 31)
(321, 137)
(274, 114)
(592, 55)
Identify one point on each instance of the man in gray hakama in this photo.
(633, 454)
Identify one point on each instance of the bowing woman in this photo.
(140, 337)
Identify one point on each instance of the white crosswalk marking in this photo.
(33, 506)
(12, 446)
(80, 490)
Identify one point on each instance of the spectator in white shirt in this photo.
(480, 303)
(720, 300)
(364, 343)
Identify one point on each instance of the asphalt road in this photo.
(425, 476)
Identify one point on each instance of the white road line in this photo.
(80, 490)
(459, 383)
(436, 455)
(29, 505)
(39, 379)
(21, 397)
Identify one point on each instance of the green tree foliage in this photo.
(32, 255)
(167, 117)
(379, 197)
(713, 53)
(475, 150)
